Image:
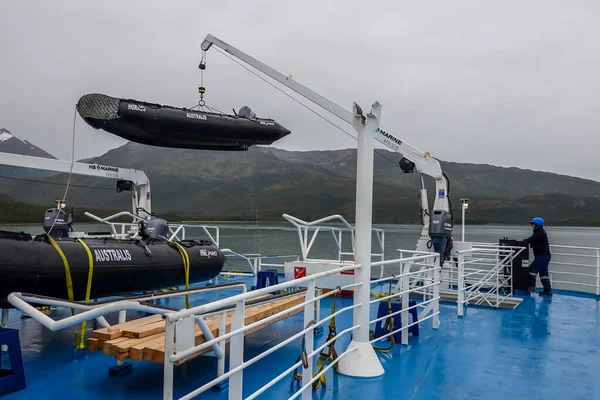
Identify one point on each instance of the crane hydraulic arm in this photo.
(413, 159)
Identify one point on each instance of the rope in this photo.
(186, 268)
(324, 357)
(70, 170)
(331, 354)
(296, 376)
(389, 322)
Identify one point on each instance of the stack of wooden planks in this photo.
(144, 338)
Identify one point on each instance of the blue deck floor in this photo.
(545, 349)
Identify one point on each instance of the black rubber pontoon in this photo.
(166, 126)
(33, 265)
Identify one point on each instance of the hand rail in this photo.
(238, 328)
(306, 244)
(466, 295)
(574, 276)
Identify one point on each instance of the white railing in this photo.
(255, 263)
(119, 230)
(23, 302)
(484, 276)
(573, 268)
(422, 265)
(422, 281)
(177, 231)
(180, 327)
(317, 226)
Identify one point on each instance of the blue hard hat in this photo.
(538, 221)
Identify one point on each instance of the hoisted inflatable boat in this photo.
(166, 126)
(42, 265)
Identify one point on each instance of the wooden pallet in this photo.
(144, 338)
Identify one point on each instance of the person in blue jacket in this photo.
(541, 252)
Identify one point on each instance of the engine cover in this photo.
(58, 221)
(441, 229)
(154, 229)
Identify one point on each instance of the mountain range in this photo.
(9, 143)
(265, 182)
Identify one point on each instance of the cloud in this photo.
(507, 83)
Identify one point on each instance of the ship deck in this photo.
(546, 348)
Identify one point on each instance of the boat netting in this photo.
(98, 106)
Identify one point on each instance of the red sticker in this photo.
(299, 272)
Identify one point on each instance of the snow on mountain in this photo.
(9, 143)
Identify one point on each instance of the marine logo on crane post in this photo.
(103, 168)
(389, 139)
(110, 172)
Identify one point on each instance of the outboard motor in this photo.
(57, 222)
(247, 112)
(440, 231)
(156, 228)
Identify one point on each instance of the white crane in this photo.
(140, 199)
(414, 159)
(361, 359)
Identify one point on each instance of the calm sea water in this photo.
(282, 239)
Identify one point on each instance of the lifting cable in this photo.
(79, 336)
(300, 103)
(202, 89)
(186, 267)
(70, 169)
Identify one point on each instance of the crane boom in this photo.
(139, 178)
(364, 362)
(421, 161)
(17, 160)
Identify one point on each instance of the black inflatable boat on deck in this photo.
(32, 265)
(43, 265)
(166, 126)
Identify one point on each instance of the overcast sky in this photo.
(510, 83)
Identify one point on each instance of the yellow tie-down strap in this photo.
(186, 267)
(88, 289)
(79, 337)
